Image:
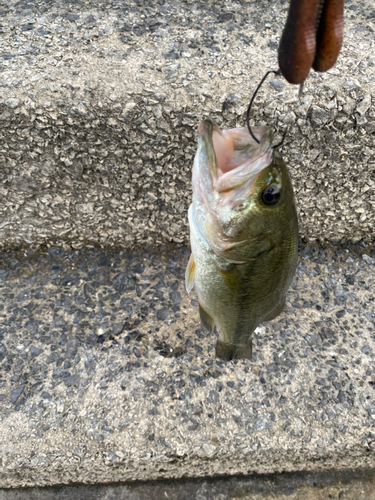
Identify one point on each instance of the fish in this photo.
(243, 234)
(312, 38)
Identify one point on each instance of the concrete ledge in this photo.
(99, 105)
(106, 375)
(348, 485)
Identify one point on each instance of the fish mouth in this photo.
(233, 157)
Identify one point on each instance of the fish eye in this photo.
(271, 195)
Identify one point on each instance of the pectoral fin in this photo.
(231, 278)
(206, 320)
(190, 274)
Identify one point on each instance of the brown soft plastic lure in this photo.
(312, 37)
(329, 35)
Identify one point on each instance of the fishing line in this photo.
(278, 73)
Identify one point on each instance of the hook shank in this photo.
(278, 72)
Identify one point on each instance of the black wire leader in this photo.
(278, 73)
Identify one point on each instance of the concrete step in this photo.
(100, 102)
(347, 485)
(106, 375)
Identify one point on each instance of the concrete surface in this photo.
(106, 375)
(348, 485)
(100, 102)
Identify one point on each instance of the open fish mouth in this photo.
(232, 157)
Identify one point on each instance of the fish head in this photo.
(242, 194)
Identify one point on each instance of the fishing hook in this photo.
(278, 73)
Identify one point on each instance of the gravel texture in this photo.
(105, 374)
(347, 485)
(100, 102)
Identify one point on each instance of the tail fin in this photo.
(231, 351)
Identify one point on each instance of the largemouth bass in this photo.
(243, 233)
